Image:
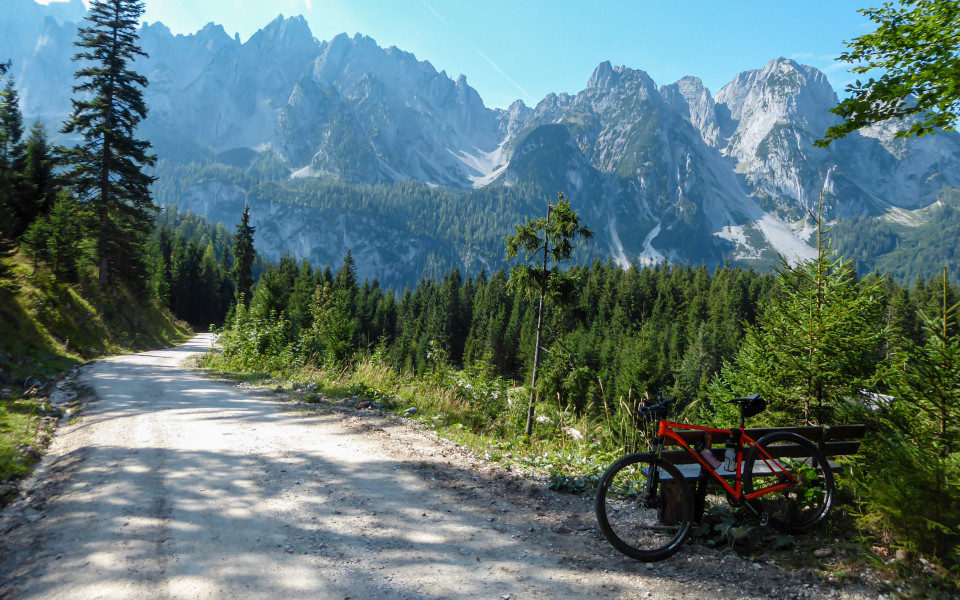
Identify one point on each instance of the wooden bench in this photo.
(836, 440)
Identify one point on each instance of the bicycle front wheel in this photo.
(807, 500)
(644, 507)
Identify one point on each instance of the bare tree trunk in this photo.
(536, 365)
(536, 349)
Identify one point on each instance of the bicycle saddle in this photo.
(751, 405)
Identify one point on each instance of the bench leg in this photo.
(671, 509)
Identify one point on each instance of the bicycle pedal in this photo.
(764, 519)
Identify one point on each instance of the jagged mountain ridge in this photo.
(660, 172)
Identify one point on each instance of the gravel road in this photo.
(172, 485)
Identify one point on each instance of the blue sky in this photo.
(527, 49)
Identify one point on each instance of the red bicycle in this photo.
(645, 506)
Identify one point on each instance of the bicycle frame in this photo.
(666, 428)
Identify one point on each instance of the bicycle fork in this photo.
(653, 480)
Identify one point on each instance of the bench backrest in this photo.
(832, 440)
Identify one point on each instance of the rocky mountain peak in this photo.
(782, 86)
(761, 101)
(157, 29)
(603, 77)
(609, 84)
(284, 33)
(693, 101)
(214, 35)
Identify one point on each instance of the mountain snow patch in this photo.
(650, 255)
(485, 166)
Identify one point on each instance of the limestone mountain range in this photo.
(659, 172)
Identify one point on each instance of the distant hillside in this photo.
(904, 252)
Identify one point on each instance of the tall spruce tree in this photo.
(39, 192)
(552, 236)
(244, 256)
(6, 213)
(11, 155)
(913, 497)
(107, 166)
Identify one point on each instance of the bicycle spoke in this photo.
(808, 493)
(644, 519)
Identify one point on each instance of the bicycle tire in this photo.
(802, 506)
(630, 519)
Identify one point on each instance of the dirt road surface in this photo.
(172, 485)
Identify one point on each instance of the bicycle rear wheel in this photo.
(644, 507)
(802, 505)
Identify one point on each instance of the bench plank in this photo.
(830, 439)
(682, 457)
(691, 472)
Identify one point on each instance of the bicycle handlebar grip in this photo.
(656, 409)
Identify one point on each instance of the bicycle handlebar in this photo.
(655, 410)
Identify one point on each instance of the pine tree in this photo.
(161, 247)
(926, 384)
(300, 296)
(816, 343)
(346, 278)
(39, 191)
(333, 327)
(244, 256)
(106, 168)
(553, 237)
(11, 157)
(57, 238)
(6, 213)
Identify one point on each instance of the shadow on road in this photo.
(176, 486)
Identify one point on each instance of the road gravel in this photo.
(174, 485)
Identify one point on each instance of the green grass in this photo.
(48, 327)
(20, 424)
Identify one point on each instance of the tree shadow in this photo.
(287, 517)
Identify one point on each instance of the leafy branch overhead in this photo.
(916, 46)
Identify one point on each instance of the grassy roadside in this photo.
(48, 328)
